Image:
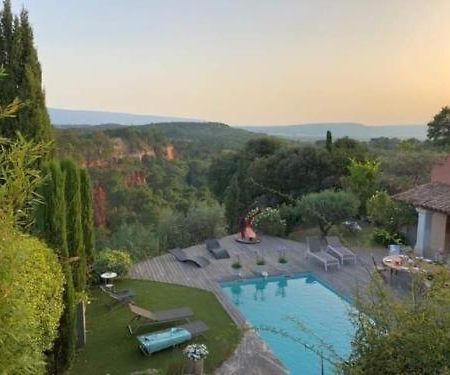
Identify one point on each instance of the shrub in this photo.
(385, 238)
(31, 287)
(117, 261)
(391, 215)
(268, 221)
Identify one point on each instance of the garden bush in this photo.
(268, 221)
(117, 261)
(31, 288)
(385, 238)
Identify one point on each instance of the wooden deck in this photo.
(165, 268)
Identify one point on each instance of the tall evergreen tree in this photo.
(73, 222)
(51, 225)
(19, 58)
(87, 215)
(329, 141)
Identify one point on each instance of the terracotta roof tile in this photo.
(433, 196)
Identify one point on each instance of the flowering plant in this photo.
(196, 352)
(268, 220)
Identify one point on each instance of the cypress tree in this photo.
(51, 225)
(87, 215)
(329, 141)
(19, 58)
(73, 222)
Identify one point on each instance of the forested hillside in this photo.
(175, 184)
(150, 182)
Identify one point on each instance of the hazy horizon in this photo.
(257, 62)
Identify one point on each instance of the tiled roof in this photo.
(434, 196)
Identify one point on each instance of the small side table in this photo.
(107, 276)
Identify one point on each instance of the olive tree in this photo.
(327, 208)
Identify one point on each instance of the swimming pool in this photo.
(292, 313)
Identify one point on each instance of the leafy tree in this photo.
(328, 208)
(74, 222)
(384, 211)
(138, 239)
(18, 57)
(363, 180)
(204, 220)
(439, 128)
(87, 216)
(238, 197)
(402, 170)
(329, 141)
(262, 147)
(402, 336)
(221, 171)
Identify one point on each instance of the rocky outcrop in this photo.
(100, 206)
(121, 151)
(170, 152)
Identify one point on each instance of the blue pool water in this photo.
(293, 312)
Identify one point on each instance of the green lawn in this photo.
(111, 350)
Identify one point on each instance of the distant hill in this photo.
(199, 140)
(69, 117)
(339, 130)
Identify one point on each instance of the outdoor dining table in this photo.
(397, 263)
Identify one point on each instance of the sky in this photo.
(247, 62)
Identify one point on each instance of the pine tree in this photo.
(51, 225)
(87, 216)
(329, 141)
(73, 222)
(18, 57)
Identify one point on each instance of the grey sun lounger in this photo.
(182, 256)
(156, 341)
(314, 251)
(143, 317)
(120, 297)
(213, 246)
(336, 248)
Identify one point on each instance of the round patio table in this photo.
(395, 262)
(108, 276)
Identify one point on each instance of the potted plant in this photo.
(236, 266)
(195, 353)
(260, 264)
(282, 260)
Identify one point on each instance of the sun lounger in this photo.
(335, 248)
(314, 251)
(143, 317)
(156, 341)
(213, 246)
(182, 256)
(119, 297)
